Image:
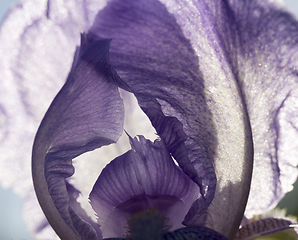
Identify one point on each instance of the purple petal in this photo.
(264, 39)
(258, 40)
(86, 114)
(142, 178)
(189, 91)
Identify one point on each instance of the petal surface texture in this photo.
(258, 42)
(86, 114)
(189, 91)
(142, 178)
(268, 76)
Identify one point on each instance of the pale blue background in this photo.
(12, 226)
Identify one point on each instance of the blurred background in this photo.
(12, 226)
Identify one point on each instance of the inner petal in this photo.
(144, 177)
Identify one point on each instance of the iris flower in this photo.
(217, 80)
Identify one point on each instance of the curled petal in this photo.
(86, 114)
(37, 42)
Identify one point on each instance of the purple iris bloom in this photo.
(218, 82)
